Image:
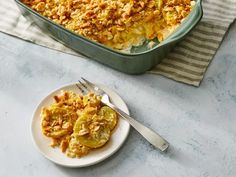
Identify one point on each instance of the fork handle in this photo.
(152, 137)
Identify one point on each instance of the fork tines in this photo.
(85, 87)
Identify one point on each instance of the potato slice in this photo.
(91, 133)
(58, 134)
(109, 115)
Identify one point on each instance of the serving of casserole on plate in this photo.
(78, 123)
(76, 130)
(129, 35)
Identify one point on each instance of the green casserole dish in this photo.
(139, 60)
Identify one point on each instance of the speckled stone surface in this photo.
(200, 123)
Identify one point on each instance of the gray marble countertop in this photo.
(200, 123)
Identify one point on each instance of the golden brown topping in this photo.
(114, 22)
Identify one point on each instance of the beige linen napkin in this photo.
(187, 62)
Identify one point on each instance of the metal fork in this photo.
(152, 137)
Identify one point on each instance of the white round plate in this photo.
(42, 142)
